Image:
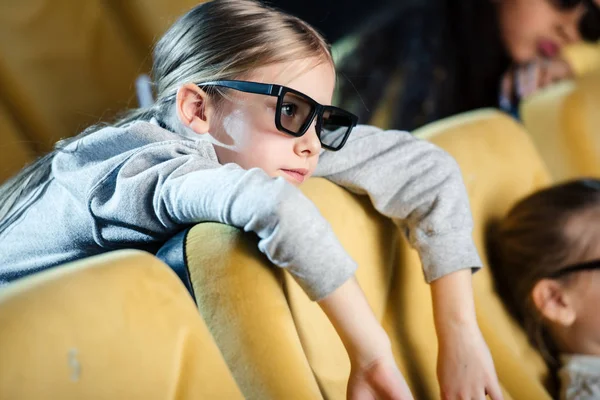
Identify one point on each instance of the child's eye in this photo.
(289, 109)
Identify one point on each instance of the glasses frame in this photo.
(280, 91)
(585, 266)
(574, 3)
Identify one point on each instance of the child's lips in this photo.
(297, 174)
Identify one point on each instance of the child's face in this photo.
(576, 319)
(588, 316)
(245, 129)
(585, 296)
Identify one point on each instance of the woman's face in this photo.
(538, 28)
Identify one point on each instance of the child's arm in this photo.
(465, 366)
(420, 187)
(416, 184)
(374, 372)
(145, 201)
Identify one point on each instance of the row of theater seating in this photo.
(123, 324)
(66, 65)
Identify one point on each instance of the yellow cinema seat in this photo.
(499, 166)
(564, 123)
(65, 65)
(277, 343)
(15, 151)
(115, 326)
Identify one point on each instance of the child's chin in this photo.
(292, 181)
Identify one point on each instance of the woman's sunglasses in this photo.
(586, 266)
(296, 112)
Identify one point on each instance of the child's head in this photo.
(533, 250)
(251, 125)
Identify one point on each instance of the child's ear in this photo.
(193, 108)
(553, 302)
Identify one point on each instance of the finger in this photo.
(507, 84)
(361, 393)
(493, 391)
(546, 74)
(507, 91)
(535, 75)
(528, 79)
(390, 385)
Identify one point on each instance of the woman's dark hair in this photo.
(532, 242)
(448, 55)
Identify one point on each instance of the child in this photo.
(241, 119)
(546, 262)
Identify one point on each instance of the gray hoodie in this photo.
(136, 186)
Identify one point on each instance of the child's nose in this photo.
(309, 143)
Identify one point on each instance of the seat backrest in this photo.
(15, 151)
(65, 65)
(499, 166)
(564, 123)
(261, 316)
(118, 325)
(147, 24)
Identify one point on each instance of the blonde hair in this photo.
(226, 39)
(220, 39)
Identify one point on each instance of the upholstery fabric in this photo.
(259, 316)
(15, 152)
(500, 165)
(65, 65)
(564, 124)
(115, 326)
(583, 57)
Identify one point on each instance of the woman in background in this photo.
(423, 60)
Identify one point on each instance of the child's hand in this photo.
(380, 379)
(374, 373)
(521, 81)
(465, 368)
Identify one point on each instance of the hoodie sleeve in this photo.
(150, 195)
(416, 184)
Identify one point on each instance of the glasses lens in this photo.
(295, 112)
(335, 126)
